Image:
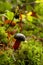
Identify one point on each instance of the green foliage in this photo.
(30, 53)
(6, 58)
(41, 35)
(2, 0)
(39, 8)
(3, 35)
(5, 6)
(9, 15)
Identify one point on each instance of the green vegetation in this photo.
(26, 17)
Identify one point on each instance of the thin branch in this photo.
(35, 2)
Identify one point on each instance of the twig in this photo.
(35, 2)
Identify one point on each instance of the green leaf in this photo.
(9, 15)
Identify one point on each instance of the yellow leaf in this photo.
(28, 14)
(23, 16)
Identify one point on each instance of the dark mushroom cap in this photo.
(20, 37)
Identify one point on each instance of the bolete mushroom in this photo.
(19, 37)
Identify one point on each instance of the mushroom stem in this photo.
(16, 44)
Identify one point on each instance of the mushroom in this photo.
(19, 37)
